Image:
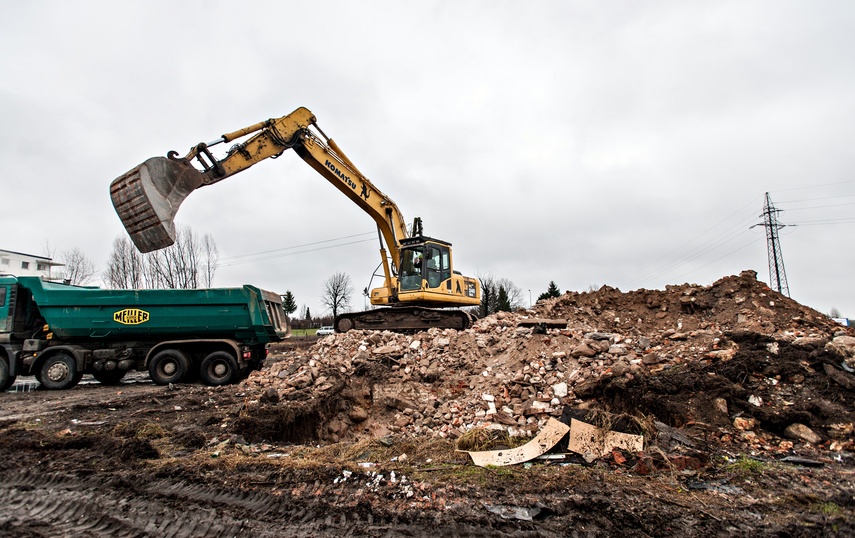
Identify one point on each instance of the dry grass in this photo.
(145, 430)
(478, 439)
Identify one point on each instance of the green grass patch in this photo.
(747, 466)
(827, 508)
(303, 332)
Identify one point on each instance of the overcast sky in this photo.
(589, 143)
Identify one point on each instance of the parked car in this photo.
(324, 331)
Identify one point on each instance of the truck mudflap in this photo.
(147, 198)
(404, 319)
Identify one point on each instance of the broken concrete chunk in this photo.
(542, 322)
(744, 423)
(387, 350)
(357, 414)
(840, 377)
(803, 433)
(559, 390)
(583, 350)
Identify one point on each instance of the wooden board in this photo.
(588, 439)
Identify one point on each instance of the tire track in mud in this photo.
(60, 505)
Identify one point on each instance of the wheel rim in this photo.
(168, 368)
(58, 371)
(219, 369)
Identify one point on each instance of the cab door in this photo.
(5, 300)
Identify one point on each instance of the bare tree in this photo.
(337, 292)
(516, 299)
(78, 269)
(210, 258)
(499, 294)
(188, 263)
(126, 266)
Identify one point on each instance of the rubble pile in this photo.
(735, 358)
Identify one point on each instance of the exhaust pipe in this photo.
(147, 198)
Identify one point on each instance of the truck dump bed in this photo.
(246, 313)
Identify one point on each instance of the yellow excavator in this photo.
(420, 288)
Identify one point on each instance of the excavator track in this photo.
(404, 319)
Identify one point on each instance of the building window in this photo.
(25, 265)
(5, 261)
(41, 267)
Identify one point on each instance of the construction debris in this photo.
(733, 363)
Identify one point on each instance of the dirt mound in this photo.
(735, 361)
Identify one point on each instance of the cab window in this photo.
(437, 265)
(411, 268)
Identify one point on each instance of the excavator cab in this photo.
(424, 266)
(426, 275)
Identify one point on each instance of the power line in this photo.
(730, 233)
(815, 199)
(748, 244)
(253, 254)
(824, 221)
(819, 206)
(815, 186)
(294, 253)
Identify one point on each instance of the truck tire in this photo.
(58, 372)
(168, 366)
(109, 377)
(6, 380)
(218, 368)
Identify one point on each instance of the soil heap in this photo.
(733, 364)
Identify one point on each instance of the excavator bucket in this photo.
(147, 199)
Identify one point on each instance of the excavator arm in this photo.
(147, 197)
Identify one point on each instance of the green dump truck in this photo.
(58, 332)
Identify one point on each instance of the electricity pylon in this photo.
(777, 274)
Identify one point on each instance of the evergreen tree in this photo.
(551, 291)
(308, 315)
(487, 298)
(503, 304)
(288, 303)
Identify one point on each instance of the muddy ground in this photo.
(293, 456)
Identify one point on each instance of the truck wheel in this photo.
(58, 372)
(218, 368)
(111, 377)
(6, 381)
(168, 366)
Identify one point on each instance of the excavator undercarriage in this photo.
(404, 319)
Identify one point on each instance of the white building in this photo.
(20, 264)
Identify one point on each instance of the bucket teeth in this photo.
(147, 198)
